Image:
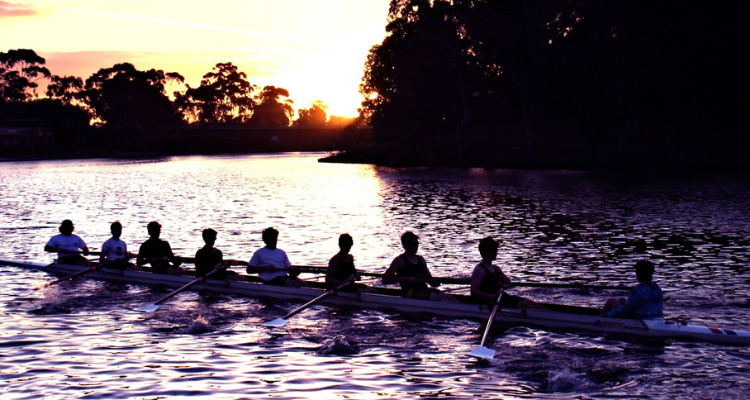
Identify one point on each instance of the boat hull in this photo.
(584, 319)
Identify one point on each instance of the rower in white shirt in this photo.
(115, 251)
(68, 246)
(272, 264)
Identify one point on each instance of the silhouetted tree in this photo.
(273, 107)
(175, 85)
(123, 96)
(65, 88)
(411, 81)
(667, 68)
(316, 115)
(19, 71)
(224, 96)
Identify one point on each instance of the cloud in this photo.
(8, 9)
(269, 35)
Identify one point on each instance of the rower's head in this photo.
(345, 242)
(66, 227)
(270, 237)
(209, 236)
(644, 270)
(488, 248)
(410, 241)
(154, 229)
(116, 229)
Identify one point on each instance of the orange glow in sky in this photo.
(316, 49)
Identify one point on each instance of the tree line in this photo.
(124, 97)
(657, 73)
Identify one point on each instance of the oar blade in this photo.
(278, 322)
(149, 308)
(483, 352)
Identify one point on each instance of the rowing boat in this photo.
(557, 317)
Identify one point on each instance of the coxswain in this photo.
(341, 268)
(410, 271)
(272, 264)
(68, 246)
(646, 300)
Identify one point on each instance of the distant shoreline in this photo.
(441, 155)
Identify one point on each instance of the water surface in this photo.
(86, 339)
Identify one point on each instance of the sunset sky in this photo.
(314, 48)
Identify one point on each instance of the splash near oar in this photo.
(278, 322)
(481, 351)
(93, 268)
(155, 305)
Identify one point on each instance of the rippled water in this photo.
(85, 339)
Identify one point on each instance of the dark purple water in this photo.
(86, 339)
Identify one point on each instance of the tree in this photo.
(175, 85)
(224, 96)
(66, 88)
(315, 116)
(412, 80)
(273, 107)
(588, 68)
(123, 96)
(19, 71)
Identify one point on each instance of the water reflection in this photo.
(554, 226)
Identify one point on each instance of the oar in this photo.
(67, 277)
(155, 305)
(467, 281)
(91, 253)
(283, 320)
(481, 351)
(63, 279)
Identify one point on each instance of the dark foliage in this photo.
(315, 116)
(19, 71)
(273, 108)
(224, 96)
(122, 96)
(596, 74)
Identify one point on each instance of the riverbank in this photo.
(491, 154)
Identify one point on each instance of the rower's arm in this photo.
(141, 258)
(504, 280)
(176, 260)
(257, 265)
(389, 277)
(433, 282)
(50, 249)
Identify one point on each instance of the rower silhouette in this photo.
(158, 253)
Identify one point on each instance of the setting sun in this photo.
(314, 49)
